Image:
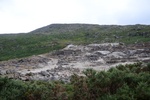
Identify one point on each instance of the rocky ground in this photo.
(60, 65)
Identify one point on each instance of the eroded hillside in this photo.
(61, 64)
(57, 36)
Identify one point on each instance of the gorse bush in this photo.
(124, 82)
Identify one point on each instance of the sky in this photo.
(17, 16)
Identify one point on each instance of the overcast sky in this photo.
(26, 15)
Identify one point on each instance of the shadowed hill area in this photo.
(54, 28)
(57, 36)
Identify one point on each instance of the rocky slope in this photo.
(57, 36)
(61, 64)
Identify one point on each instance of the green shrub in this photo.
(120, 83)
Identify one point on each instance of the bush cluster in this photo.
(123, 82)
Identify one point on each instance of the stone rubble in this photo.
(61, 64)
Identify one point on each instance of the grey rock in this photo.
(44, 73)
(116, 55)
(10, 71)
(130, 52)
(2, 72)
(24, 78)
(92, 57)
(16, 75)
(102, 52)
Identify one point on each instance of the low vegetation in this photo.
(57, 36)
(124, 82)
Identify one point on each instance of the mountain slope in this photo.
(56, 36)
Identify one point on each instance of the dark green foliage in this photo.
(22, 45)
(125, 82)
(57, 36)
(10, 89)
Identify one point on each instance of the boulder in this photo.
(2, 72)
(44, 73)
(116, 55)
(10, 71)
(102, 53)
(24, 78)
(131, 52)
(92, 57)
(17, 75)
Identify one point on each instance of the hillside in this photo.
(57, 36)
(76, 61)
(62, 64)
